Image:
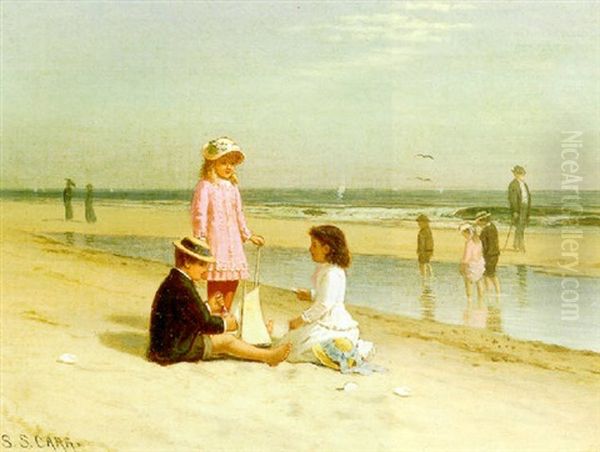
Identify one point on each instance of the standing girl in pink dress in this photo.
(218, 218)
(472, 264)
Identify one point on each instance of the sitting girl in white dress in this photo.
(326, 318)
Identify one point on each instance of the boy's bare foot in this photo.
(279, 354)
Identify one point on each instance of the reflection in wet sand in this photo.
(70, 238)
(475, 315)
(494, 322)
(484, 314)
(522, 284)
(427, 300)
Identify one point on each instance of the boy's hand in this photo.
(216, 303)
(230, 322)
(303, 294)
(296, 323)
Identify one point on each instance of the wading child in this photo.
(218, 218)
(491, 249)
(327, 317)
(181, 325)
(472, 264)
(424, 246)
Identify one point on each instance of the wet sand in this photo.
(470, 389)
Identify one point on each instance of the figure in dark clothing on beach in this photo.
(491, 248)
(519, 199)
(67, 196)
(90, 215)
(424, 246)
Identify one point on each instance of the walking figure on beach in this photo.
(90, 215)
(424, 246)
(491, 248)
(182, 327)
(519, 199)
(472, 264)
(67, 197)
(218, 217)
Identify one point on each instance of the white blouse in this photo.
(328, 293)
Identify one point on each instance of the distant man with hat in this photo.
(424, 245)
(491, 248)
(519, 199)
(182, 327)
(67, 197)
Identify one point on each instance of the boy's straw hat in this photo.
(221, 146)
(483, 215)
(422, 217)
(517, 169)
(196, 248)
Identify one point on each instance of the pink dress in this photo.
(473, 257)
(218, 218)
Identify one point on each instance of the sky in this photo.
(318, 94)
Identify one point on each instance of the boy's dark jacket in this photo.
(489, 240)
(178, 316)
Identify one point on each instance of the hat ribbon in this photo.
(197, 249)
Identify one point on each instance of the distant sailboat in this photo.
(340, 191)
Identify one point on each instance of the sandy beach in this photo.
(470, 389)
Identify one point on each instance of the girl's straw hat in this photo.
(466, 227)
(196, 248)
(339, 353)
(221, 146)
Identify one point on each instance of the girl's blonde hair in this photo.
(208, 172)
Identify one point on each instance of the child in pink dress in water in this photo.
(218, 218)
(472, 264)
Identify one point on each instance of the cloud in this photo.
(391, 27)
(437, 6)
(380, 39)
(379, 58)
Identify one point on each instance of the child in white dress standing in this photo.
(327, 317)
(218, 218)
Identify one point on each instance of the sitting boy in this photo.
(181, 325)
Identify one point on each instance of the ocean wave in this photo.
(368, 206)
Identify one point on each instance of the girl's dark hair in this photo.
(334, 238)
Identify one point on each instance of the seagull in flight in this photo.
(423, 179)
(425, 156)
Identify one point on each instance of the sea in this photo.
(550, 209)
(531, 305)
